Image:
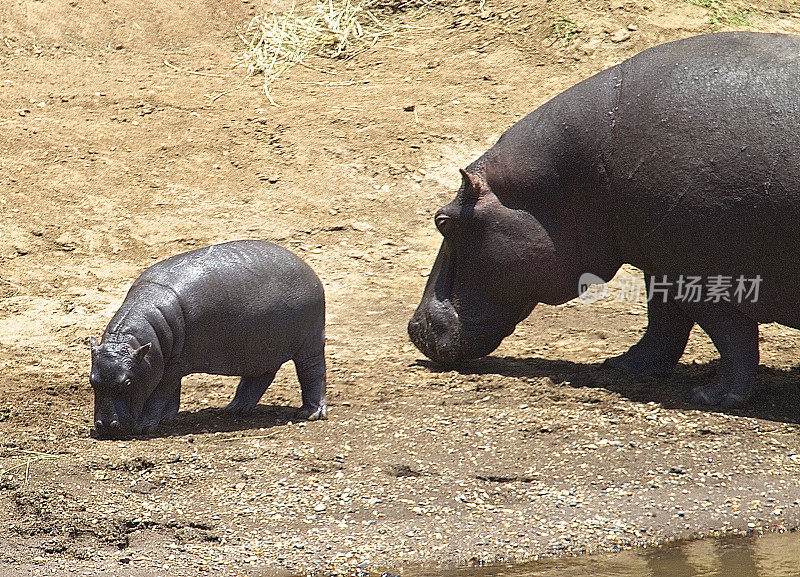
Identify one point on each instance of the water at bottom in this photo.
(772, 555)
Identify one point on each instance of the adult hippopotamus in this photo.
(684, 161)
(240, 308)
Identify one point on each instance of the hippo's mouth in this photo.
(113, 427)
(441, 335)
(437, 333)
(112, 417)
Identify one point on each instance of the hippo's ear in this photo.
(471, 184)
(140, 353)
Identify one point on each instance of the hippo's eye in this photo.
(444, 223)
(123, 384)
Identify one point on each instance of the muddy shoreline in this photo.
(112, 160)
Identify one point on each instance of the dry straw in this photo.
(33, 457)
(328, 28)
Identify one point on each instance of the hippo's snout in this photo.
(439, 331)
(451, 327)
(435, 330)
(112, 424)
(113, 428)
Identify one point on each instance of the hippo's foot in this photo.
(248, 393)
(722, 393)
(639, 363)
(662, 345)
(147, 427)
(239, 407)
(314, 412)
(150, 426)
(736, 337)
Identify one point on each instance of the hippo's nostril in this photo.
(114, 424)
(98, 424)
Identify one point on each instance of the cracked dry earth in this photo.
(112, 159)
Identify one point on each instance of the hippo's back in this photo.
(243, 303)
(234, 266)
(704, 161)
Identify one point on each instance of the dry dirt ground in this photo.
(115, 153)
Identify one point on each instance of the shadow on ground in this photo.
(776, 397)
(215, 420)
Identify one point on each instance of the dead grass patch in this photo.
(327, 28)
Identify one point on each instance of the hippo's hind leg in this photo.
(249, 392)
(736, 337)
(663, 343)
(310, 365)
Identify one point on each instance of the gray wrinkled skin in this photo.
(241, 308)
(683, 160)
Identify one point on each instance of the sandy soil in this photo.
(116, 154)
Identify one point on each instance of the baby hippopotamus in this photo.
(240, 308)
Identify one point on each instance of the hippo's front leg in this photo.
(663, 343)
(736, 337)
(163, 403)
(310, 365)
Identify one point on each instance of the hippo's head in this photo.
(119, 379)
(497, 261)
